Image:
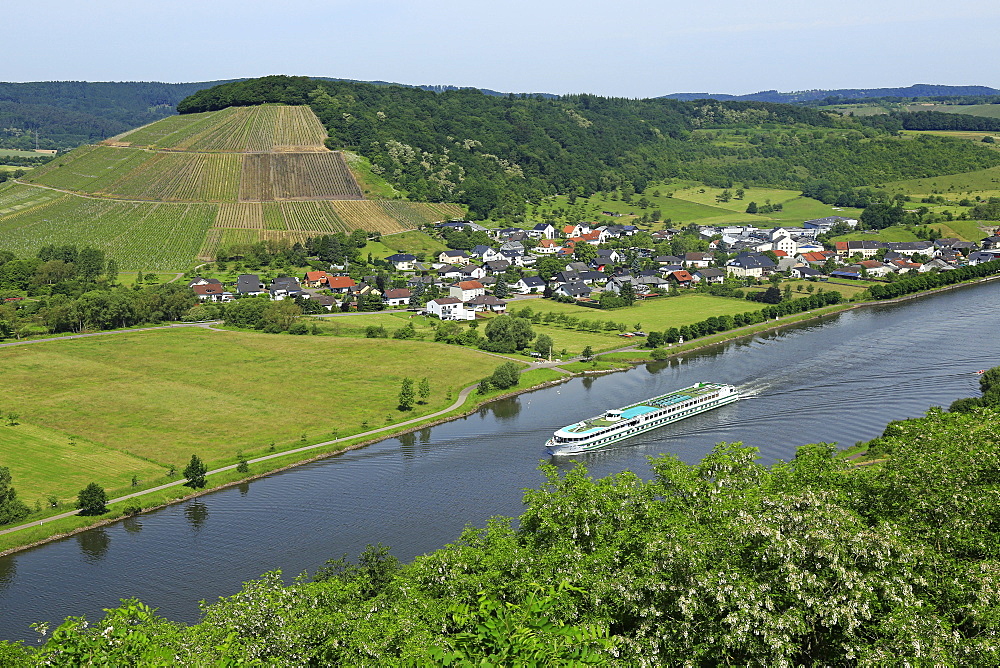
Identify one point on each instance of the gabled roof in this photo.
(447, 300)
(470, 285)
(208, 289)
(488, 300)
(681, 276)
(532, 281)
(401, 257)
(340, 282)
(575, 289)
(315, 275)
(397, 293)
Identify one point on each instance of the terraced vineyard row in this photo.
(186, 177)
(368, 215)
(297, 176)
(236, 129)
(138, 235)
(415, 214)
(313, 217)
(89, 169)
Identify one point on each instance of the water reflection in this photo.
(425, 436)
(504, 409)
(408, 443)
(588, 382)
(244, 488)
(94, 544)
(196, 513)
(8, 570)
(132, 524)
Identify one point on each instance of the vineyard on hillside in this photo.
(236, 129)
(161, 196)
(138, 235)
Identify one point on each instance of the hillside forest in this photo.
(494, 154)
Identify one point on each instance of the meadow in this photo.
(140, 402)
(983, 182)
(688, 202)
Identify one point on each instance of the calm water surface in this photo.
(840, 380)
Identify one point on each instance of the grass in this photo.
(966, 230)
(655, 314)
(13, 152)
(372, 185)
(160, 396)
(49, 462)
(983, 182)
(412, 242)
(690, 202)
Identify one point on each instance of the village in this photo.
(603, 266)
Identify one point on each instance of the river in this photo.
(838, 380)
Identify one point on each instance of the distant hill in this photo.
(916, 90)
(66, 114)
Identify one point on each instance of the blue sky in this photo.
(628, 48)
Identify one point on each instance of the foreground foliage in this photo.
(809, 562)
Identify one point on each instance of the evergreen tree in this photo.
(424, 390)
(500, 290)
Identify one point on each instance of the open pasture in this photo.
(165, 395)
(653, 314)
(983, 182)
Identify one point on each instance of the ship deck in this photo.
(641, 408)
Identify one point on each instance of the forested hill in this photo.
(493, 153)
(916, 90)
(67, 114)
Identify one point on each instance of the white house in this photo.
(466, 290)
(396, 297)
(530, 284)
(449, 308)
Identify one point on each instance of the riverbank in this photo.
(19, 538)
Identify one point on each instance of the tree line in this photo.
(921, 282)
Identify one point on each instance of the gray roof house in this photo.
(249, 284)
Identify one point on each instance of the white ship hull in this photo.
(618, 425)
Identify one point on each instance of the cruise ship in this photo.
(616, 425)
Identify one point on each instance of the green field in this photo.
(983, 182)
(152, 399)
(966, 230)
(987, 110)
(405, 242)
(685, 203)
(654, 314)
